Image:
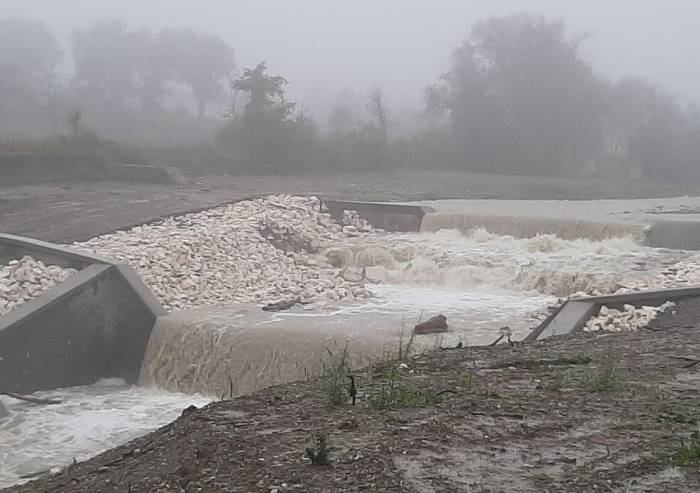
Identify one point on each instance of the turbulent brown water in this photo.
(481, 281)
(528, 227)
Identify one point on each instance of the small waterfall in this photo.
(241, 348)
(480, 280)
(529, 227)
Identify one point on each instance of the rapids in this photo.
(481, 281)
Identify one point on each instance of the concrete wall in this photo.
(572, 316)
(681, 235)
(390, 217)
(94, 325)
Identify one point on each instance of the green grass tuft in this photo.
(397, 394)
(688, 453)
(606, 379)
(336, 368)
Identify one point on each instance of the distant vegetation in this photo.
(518, 98)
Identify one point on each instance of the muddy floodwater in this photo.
(480, 281)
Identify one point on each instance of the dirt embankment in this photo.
(77, 211)
(589, 413)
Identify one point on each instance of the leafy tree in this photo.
(271, 134)
(200, 61)
(106, 57)
(521, 99)
(434, 98)
(29, 55)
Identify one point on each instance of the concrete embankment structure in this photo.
(672, 223)
(390, 217)
(94, 325)
(572, 316)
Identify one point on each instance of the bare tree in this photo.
(379, 111)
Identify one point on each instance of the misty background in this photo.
(582, 88)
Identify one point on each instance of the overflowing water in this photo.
(481, 281)
(90, 419)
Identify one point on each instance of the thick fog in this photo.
(323, 47)
(540, 87)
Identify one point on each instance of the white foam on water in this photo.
(481, 262)
(474, 316)
(89, 420)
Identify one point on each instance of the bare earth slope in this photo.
(73, 212)
(536, 418)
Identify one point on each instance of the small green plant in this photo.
(466, 377)
(402, 396)
(394, 394)
(606, 379)
(320, 456)
(503, 400)
(405, 349)
(688, 453)
(336, 368)
(683, 419)
(655, 393)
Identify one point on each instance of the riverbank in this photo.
(68, 212)
(608, 412)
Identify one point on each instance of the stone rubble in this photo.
(24, 279)
(354, 224)
(630, 318)
(255, 251)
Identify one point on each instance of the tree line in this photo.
(124, 83)
(517, 98)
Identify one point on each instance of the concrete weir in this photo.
(661, 223)
(94, 325)
(99, 322)
(389, 217)
(672, 223)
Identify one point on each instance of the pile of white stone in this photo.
(354, 225)
(256, 251)
(683, 273)
(630, 318)
(24, 279)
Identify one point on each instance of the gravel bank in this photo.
(24, 279)
(256, 251)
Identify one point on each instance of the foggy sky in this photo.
(326, 46)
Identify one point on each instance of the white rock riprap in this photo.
(24, 279)
(630, 318)
(256, 251)
(354, 224)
